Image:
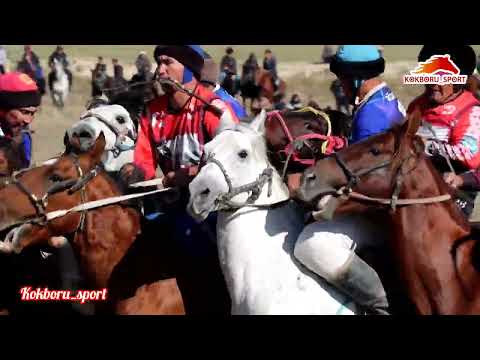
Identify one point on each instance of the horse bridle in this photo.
(73, 185)
(255, 188)
(295, 145)
(353, 178)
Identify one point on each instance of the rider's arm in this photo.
(144, 154)
(464, 145)
(366, 123)
(27, 148)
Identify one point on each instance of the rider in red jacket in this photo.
(177, 125)
(451, 119)
(172, 136)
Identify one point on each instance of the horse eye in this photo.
(55, 178)
(308, 126)
(375, 151)
(120, 119)
(243, 154)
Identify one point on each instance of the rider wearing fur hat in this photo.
(376, 108)
(19, 101)
(172, 135)
(451, 120)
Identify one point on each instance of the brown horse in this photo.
(137, 273)
(264, 80)
(436, 252)
(295, 140)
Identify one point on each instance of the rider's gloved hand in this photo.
(453, 180)
(180, 178)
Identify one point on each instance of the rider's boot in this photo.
(363, 285)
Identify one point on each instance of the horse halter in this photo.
(295, 145)
(224, 200)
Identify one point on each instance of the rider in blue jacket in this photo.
(209, 80)
(376, 109)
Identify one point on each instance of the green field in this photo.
(285, 53)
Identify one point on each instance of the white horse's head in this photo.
(115, 123)
(238, 155)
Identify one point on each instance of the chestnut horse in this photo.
(137, 273)
(296, 139)
(436, 252)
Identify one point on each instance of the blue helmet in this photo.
(357, 61)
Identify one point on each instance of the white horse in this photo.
(256, 240)
(60, 85)
(117, 126)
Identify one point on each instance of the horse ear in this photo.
(72, 144)
(412, 123)
(258, 124)
(97, 149)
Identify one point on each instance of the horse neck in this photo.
(59, 70)
(431, 184)
(108, 234)
(425, 234)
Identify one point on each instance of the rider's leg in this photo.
(328, 250)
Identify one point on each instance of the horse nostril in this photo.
(311, 177)
(205, 192)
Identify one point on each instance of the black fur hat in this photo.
(462, 55)
(191, 56)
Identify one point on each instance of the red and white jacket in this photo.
(175, 140)
(456, 125)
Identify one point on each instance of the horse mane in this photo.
(404, 136)
(413, 121)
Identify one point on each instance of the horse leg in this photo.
(163, 297)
